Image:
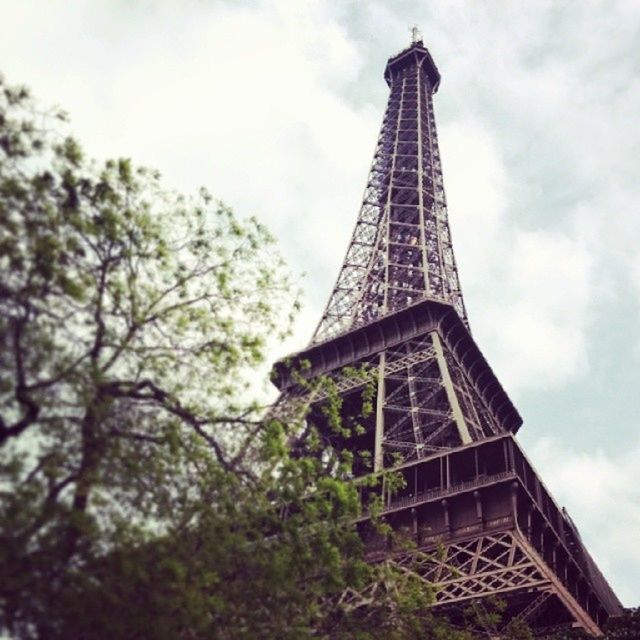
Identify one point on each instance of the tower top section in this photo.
(416, 55)
(401, 250)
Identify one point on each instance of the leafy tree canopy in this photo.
(129, 316)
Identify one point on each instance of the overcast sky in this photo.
(276, 106)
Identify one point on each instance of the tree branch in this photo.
(147, 390)
(31, 408)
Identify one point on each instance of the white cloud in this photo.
(542, 321)
(535, 320)
(476, 186)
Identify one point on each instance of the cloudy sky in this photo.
(275, 107)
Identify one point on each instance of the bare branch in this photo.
(135, 435)
(31, 408)
(148, 390)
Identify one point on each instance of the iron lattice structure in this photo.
(401, 248)
(441, 417)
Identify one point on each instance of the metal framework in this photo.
(425, 402)
(401, 248)
(441, 416)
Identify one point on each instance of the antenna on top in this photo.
(416, 36)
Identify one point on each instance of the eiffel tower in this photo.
(441, 418)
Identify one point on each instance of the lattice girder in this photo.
(499, 564)
(401, 247)
(425, 402)
(488, 565)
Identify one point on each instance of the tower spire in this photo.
(401, 251)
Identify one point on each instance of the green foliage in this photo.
(129, 318)
(623, 627)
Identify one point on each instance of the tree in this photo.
(129, 316)
(144, 494)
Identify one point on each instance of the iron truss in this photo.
(502, 564)
(426, 402)
(401, 249)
